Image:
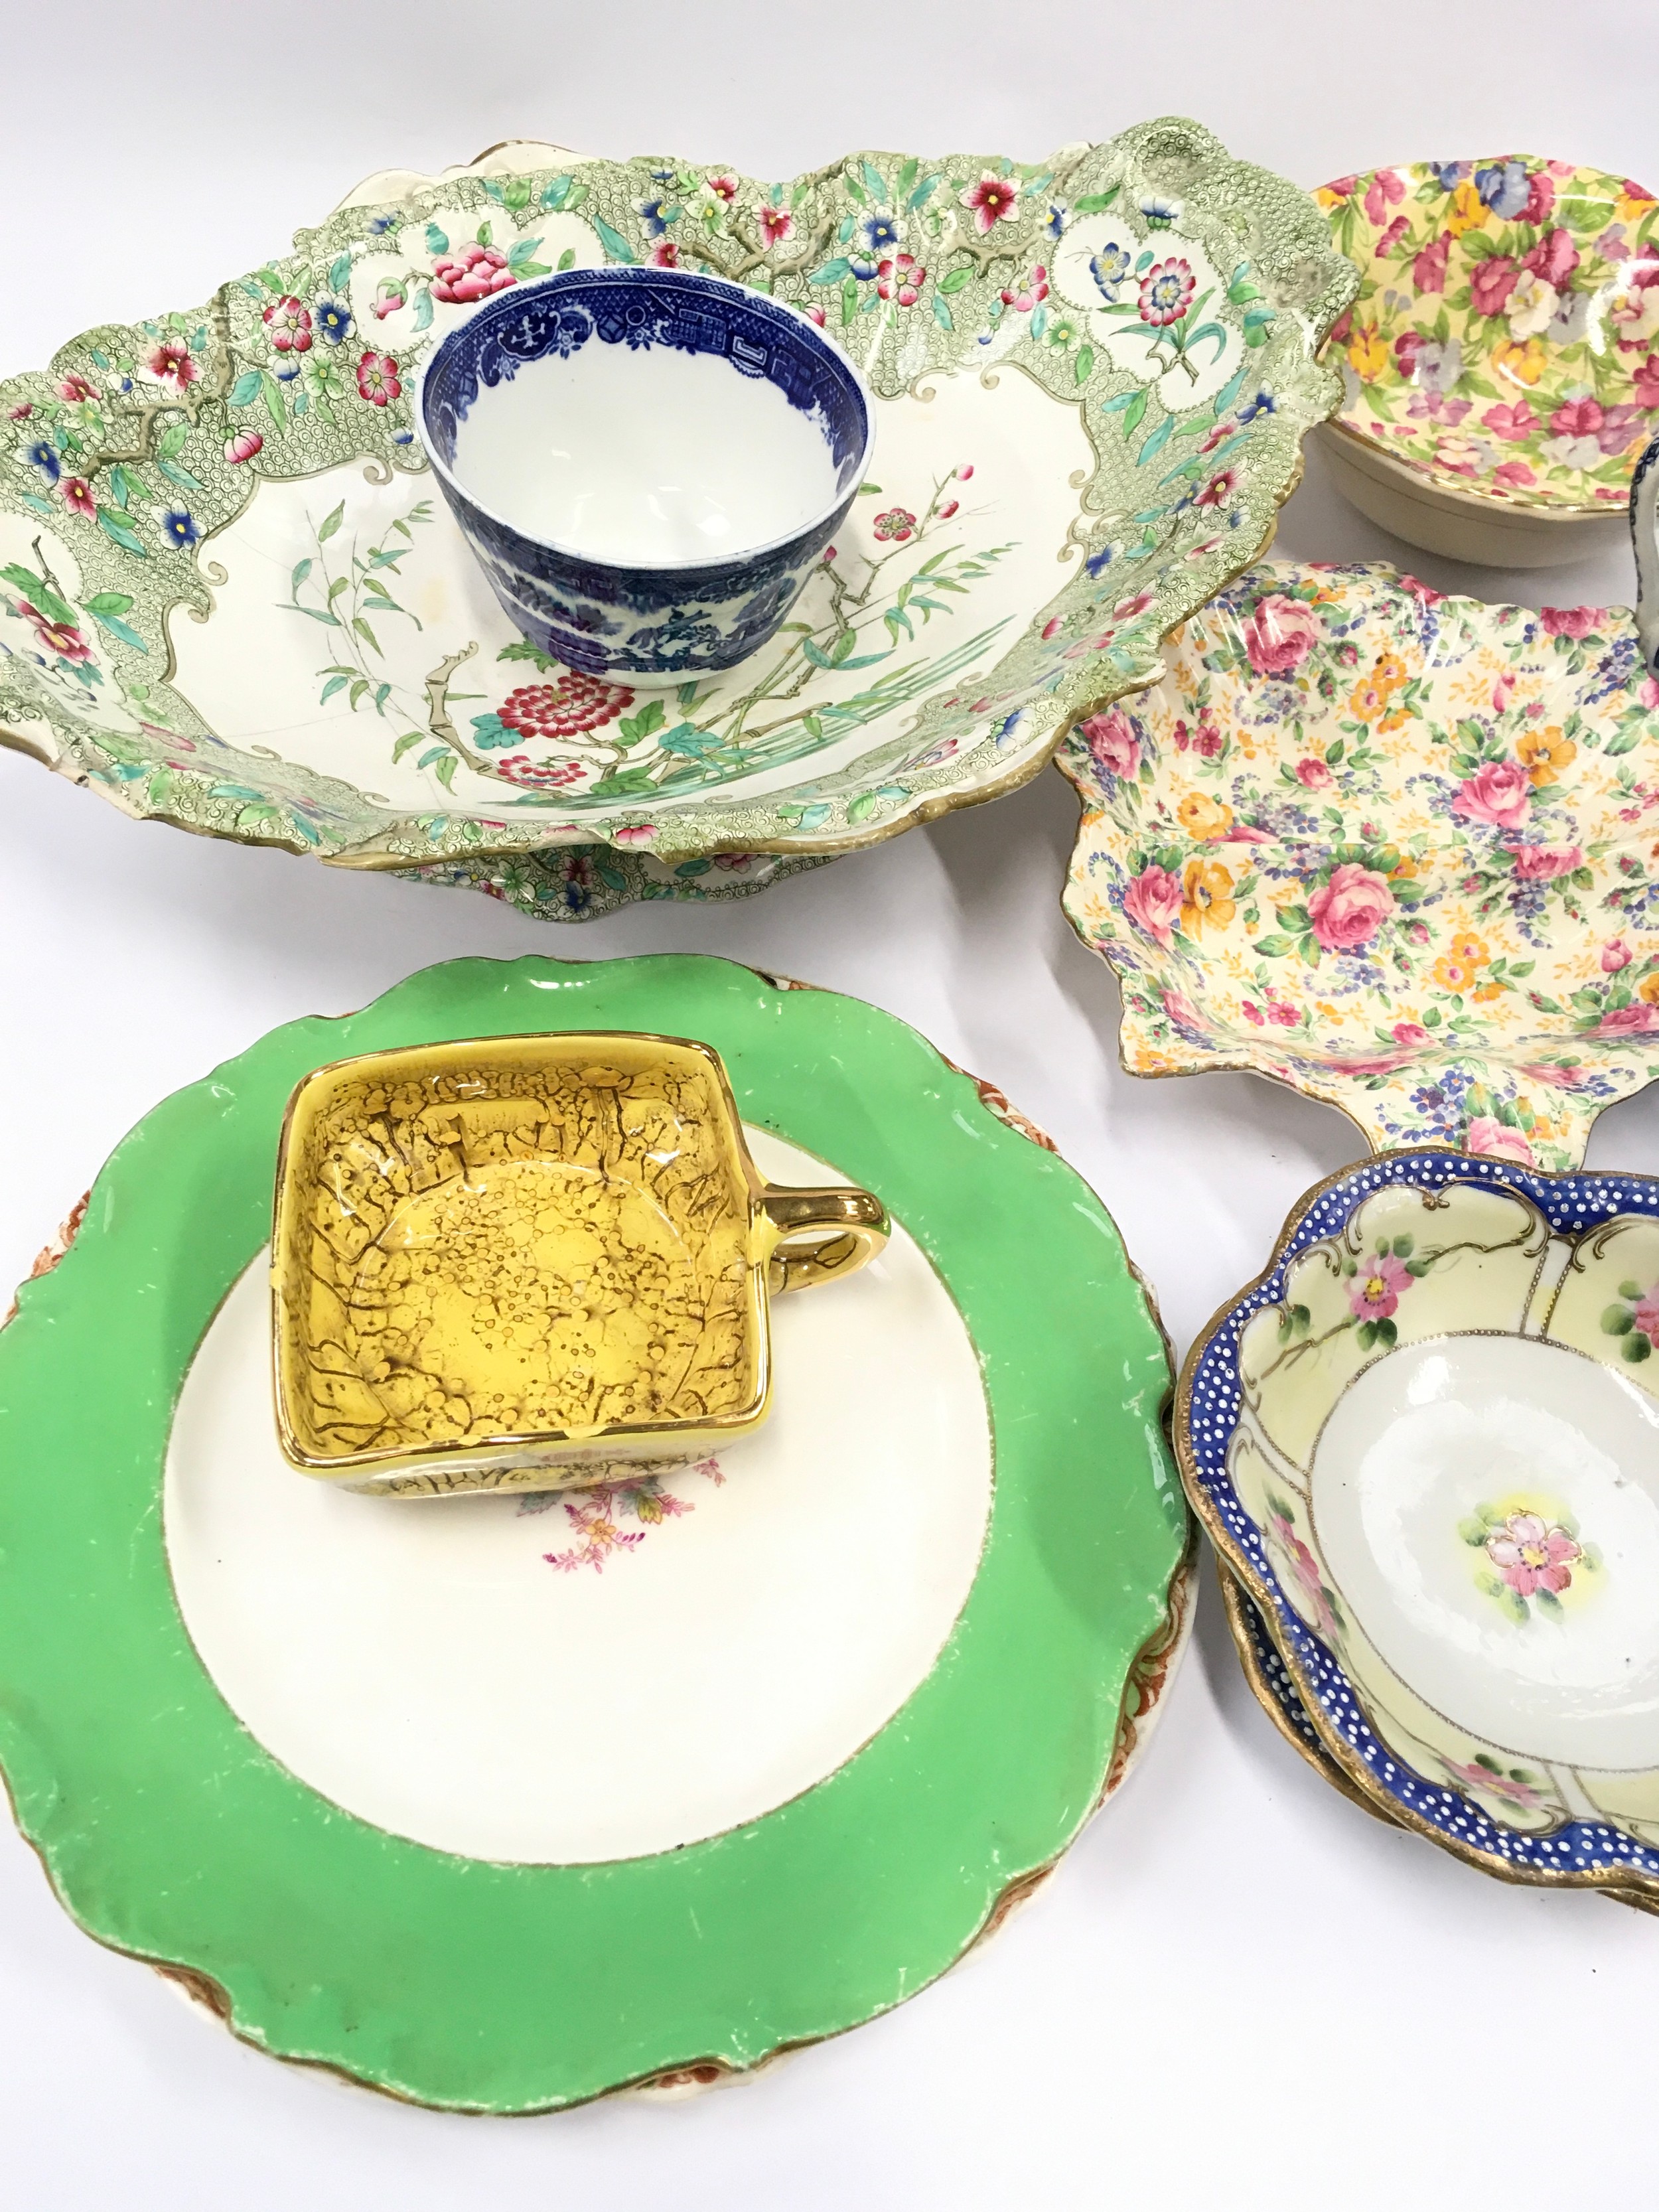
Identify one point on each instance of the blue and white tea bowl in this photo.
(648, 462)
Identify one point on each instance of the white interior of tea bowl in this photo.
(651, 455)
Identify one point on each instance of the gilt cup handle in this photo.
(822, 1235)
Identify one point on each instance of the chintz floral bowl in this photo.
(1392, 849)
(648, 462)
(1501, 362)
(1426, 1443)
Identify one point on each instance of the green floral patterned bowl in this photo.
(1391, 849)
(1501, 362)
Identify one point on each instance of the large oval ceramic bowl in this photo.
(504, 1804)
(648, 462)
(1501, 364)
(1426, 1441)
(1391, 849)
(231, 598)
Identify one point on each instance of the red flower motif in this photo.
(1498, 792)
(724, 188)
(1647, 382)
(62, 638)
(902, 278)
(472, 273)
(1166, 292)
(898, 523)
(1347, 912)
(1031, 294)
(1313, 774)
(1576, 418)
(1113, 744)
(665, 254)
(377, 378)
(170, 363)
(992, 200)
(1540, 199)
(575, 704)
(1553, 258)
(75, 388)
(535, 775)
(1429, 267)
(1492, 281)
(1512, 422)
(949, 510)
(1571, 622)
(20, 413)
(1218, 488)
(289, 322)
(774, 225)
(243, 447)
(78, 497)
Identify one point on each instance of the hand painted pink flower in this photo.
(1390, 237)
(78, 497)
(1184, 1014)
(1410, 1033)
(724, 188)
(1492, 283)
(635, 833)
(472, 272)
(950, 508)
(1424, 594)
(62, 638)
(1024, 296)
(1647, 696)
(1285, 1017)
(1532, 1554)
(1461, 456)
(1304, 1569)
(1347, 912)
(1113, 745)
(1553, 258)
(964, 471)
(1514, 475)
(902, 278)
(1166, 292)
(1542, 863)
(1152, 903)
(1646, 1317)
(288, 325)
(1499, 791)
(388, 298)
(1497, 1140)
(1429, 267)
(815, 315)
(896, 524)
(20, 414)
(1375, 1290)
(1576, 418)
(1541, 198)
(170, 364)
(1646, 379)
(1512, 422)
(1637, 1020)
(1388, 189)
(377, 378)
(1473, 1774)
(1252, 1014)
(1280, 634)
(1313, 774)
(1219, 489)
(1615, 954)
(75, 389)
(1571, 622)
(1052, 626)
(775, 225)
(243, 447)
(665, 254)
(992, 200)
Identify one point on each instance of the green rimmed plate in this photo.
(502, 1810)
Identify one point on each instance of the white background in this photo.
(1239, 1988)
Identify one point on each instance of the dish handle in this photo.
(820, 1234)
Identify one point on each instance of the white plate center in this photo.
(665, 1675)
(1489, 1508)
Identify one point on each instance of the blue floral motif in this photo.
(45, 458)
(1110, 269)
(881, 233)
(1503, 186)
(178, 529)
(333, 320)
(656, 215)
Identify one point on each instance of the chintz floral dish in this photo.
(1389, 848)
(648, 462)
(1426, 1442)
(507, 1802)
(232, 596)
(1501, 364)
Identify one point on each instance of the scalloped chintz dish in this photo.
(230, 598)
(1392, 849)
(1427, 1443)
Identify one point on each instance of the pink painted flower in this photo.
(1152, 903)
(665, 254)
(1347, 912)
(896, 524)
(964, 471)
(775, 225)
(1424, 594)
(1252, 1014)
(901, 277)
(62, 638)
(814, 314)
(1285, 1017)
(724, 188)
(1497, 1140)
(1410, 1033)
(1219, 489)
(1615, 954)
(1541, 198)
(1647, 382)
(1637, 1020)
(1028, 294)
(1553, 258)
(1304, 1572)
(1388, 189)
(950, 508)
(1473, 1774)
(1375, 1291)
(1576, 418)
(75, 389)
(635, 833)
(288, 325)
(1388, 240)
(992, 200)
(388, 298)
(1532, 1554)
(1498, 792)
(78, 497)
(539, 775)
(20, 414)
(243, 447)
(1514, 475)
(1571, 622)
(1112, 742)
(1280, 634)
(1166, 292)
(1646, 1317)
(1313, 774)
(1429, 267)
(1492, 281)
(170, 364)
(1542, 863)
(1512, 422)
(1055, 623)
(377, 378)
(472, 272)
